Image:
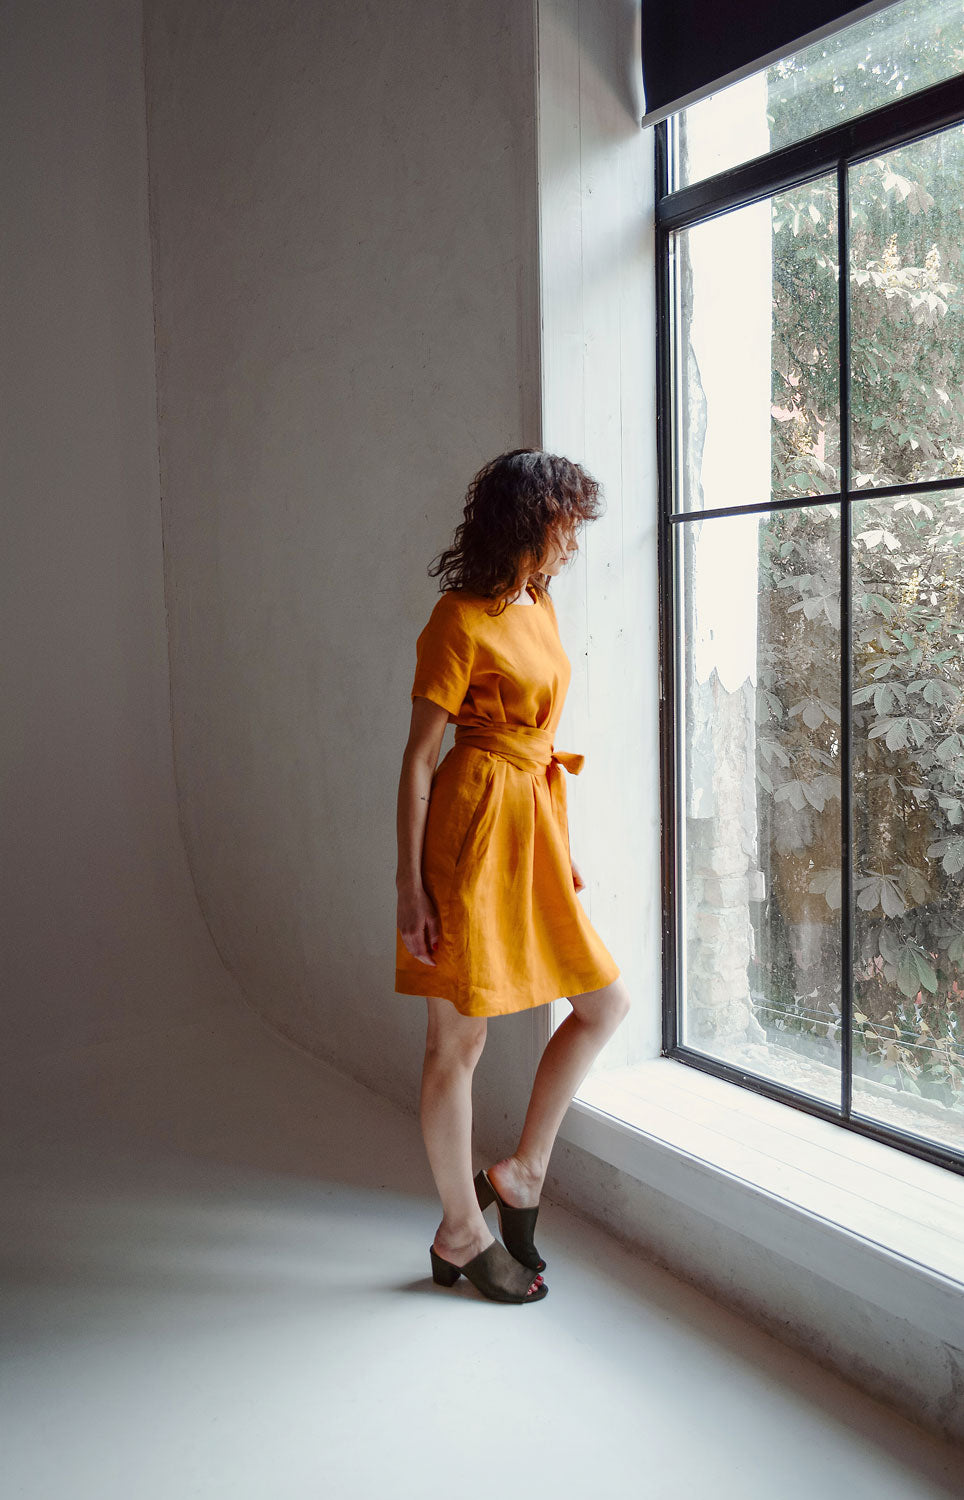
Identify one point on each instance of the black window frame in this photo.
(831, 150)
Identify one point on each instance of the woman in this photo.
(488, 918)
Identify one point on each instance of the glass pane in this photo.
(907, 312)
(756, 352)
(908, 715)
(897, 52)
(760, 803)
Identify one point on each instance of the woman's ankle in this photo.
(523, 1171)
(463, 1230)
(534, 1167)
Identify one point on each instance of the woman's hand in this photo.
(417, 918)
(418, 924)
(577, 879)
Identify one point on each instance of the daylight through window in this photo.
(812, 473)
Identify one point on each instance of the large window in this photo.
(812, 555)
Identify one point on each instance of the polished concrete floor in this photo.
(216, 1283)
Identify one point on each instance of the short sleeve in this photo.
(445, 653)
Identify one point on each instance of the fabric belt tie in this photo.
(521, 745)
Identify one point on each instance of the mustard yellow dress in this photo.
(495, 858)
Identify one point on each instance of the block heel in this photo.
(484, 1190)
(443, 1271)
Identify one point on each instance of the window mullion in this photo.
(669, 730)
(846, 649)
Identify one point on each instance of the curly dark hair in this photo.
(511, 506)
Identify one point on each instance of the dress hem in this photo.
(406, 985)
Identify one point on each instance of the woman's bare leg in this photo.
(453, 1046)
(567, 1059)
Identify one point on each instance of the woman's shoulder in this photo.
(455, 616)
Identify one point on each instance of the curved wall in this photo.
(101, 936)
(343, 211)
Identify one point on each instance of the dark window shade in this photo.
(691, 48)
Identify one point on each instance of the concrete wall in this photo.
(344, 216)
(347, 324)
(598, 394)
(101, 936)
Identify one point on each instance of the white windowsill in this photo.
(871, 1219)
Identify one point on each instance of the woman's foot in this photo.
(459, 1246)
(516, 1182)
(518, 1204)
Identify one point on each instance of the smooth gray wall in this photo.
(100, 935)
(344, 222)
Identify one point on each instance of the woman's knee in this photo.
(607, 1007)
(621, 1001)
(452, 1038)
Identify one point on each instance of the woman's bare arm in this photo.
(417, 917)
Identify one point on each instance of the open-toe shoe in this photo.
(493, 1272)
(517, 1224)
